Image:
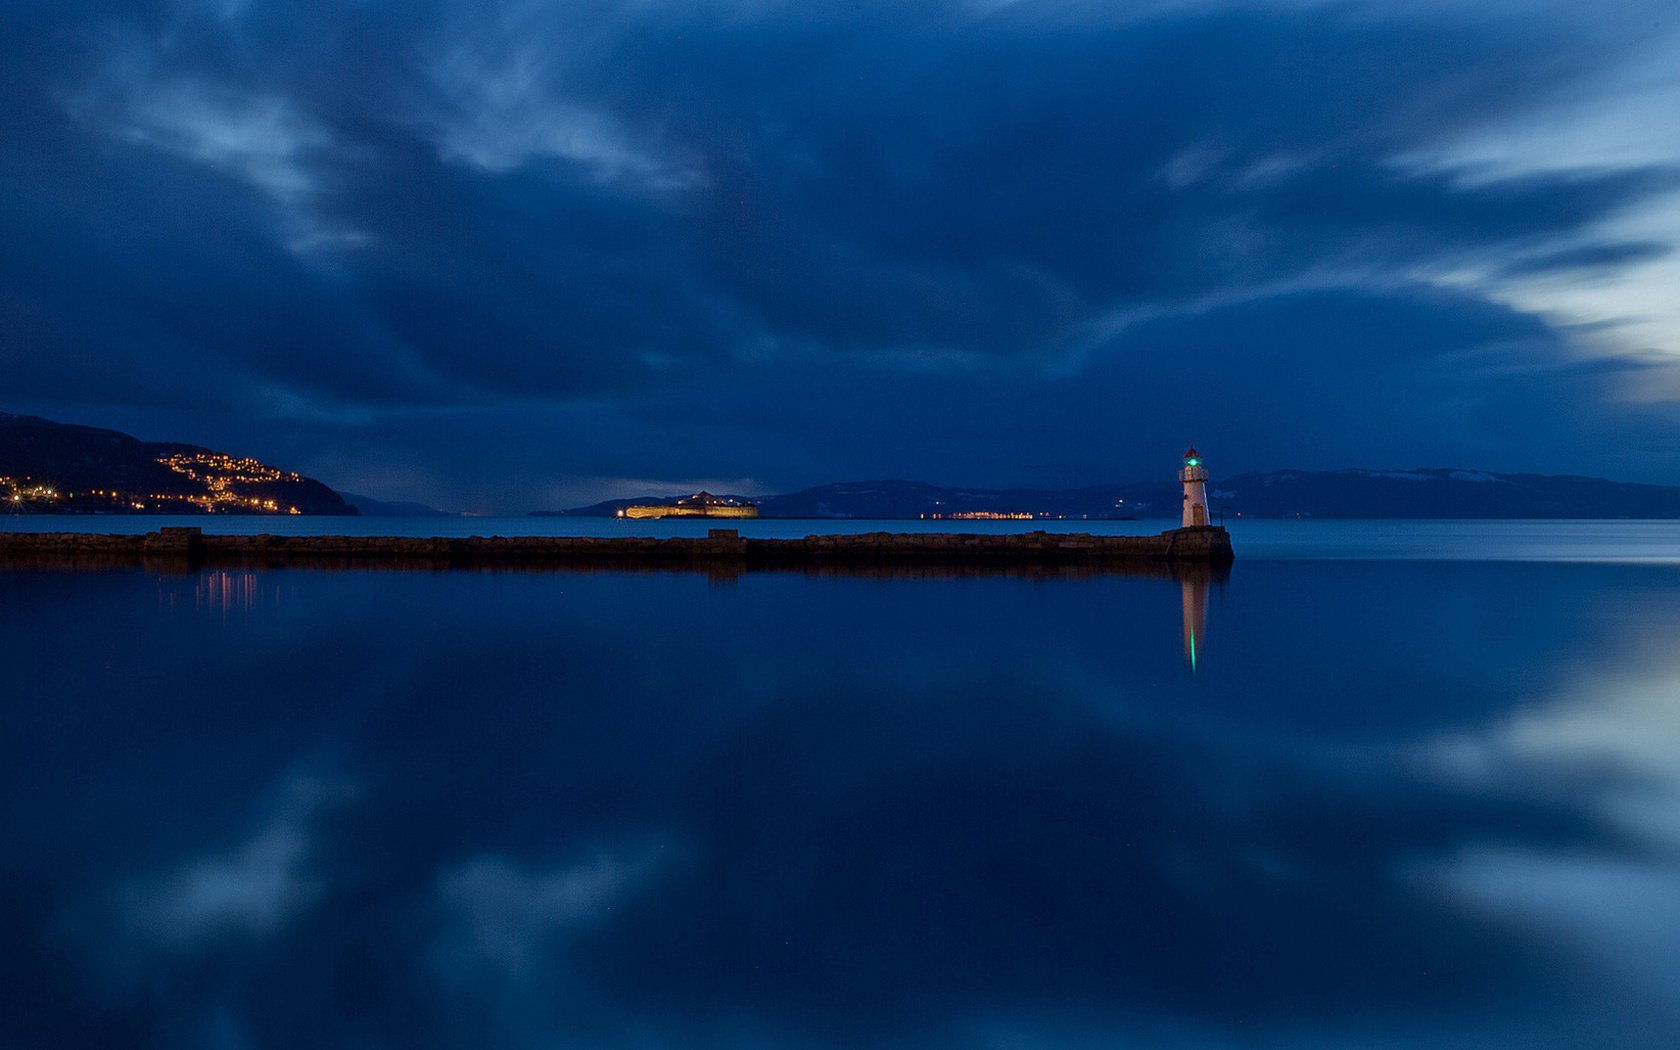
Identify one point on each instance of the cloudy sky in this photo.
(500, 255)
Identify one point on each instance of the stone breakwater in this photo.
(1208, 545)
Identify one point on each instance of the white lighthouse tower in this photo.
(1194, 476)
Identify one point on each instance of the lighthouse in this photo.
(1194, 476)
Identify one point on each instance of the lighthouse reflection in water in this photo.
(1194, 588)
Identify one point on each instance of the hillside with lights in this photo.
(60, 468)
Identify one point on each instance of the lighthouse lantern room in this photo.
(1194, 476)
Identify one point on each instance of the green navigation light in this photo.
(1192, 462)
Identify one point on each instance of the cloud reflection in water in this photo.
(1398, 804)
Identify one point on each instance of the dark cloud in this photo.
(1608, 256)
(268, 221)
(1334, 378)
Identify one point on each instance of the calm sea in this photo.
(1396, 785)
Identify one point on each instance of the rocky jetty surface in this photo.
(1207, 545)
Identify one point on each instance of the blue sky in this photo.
(500, 256)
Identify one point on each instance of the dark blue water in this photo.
(1397, 803)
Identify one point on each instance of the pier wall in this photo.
(1208, 545)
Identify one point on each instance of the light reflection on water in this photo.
(1396, 803)
(222, 591)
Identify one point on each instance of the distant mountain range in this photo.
(368, 507)
(48, 467)
(61, 468)
(1422, 493)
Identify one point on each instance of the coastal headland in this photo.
(1199, 546)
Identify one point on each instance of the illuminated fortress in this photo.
(699, 505)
